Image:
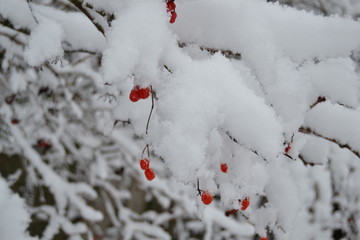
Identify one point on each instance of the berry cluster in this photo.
(138, 93)
(244, 205)
(149, 172)
(170, 6)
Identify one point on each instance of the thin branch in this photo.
(198, 188)
(308, 163)
(6, 23)
(311, 132)
(226, 53)
(12, 38)
(251, 150)
(319, 100)
(152, 108)
(79, 5)
(146, 148)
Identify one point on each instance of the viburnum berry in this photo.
(15, 121)
(149, 174)
(173, 17)
(10, 99)
(230, 212)
(264, 238)
(144, 92)
(170, 6)
(206, 198)
(245, 203)
(43, 144)
(224, 167)
(138, 93)
(288, 148)
(144, 163)
(134, 95)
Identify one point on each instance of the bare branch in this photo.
(319, 100)
(6, 23)
(311, 132)
(251, 150)
(79, 5)
(226, 53)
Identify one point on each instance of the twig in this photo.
(152, 108)
(319, 100)
(309, 131)
(12, 38)
(251, 150)
(148, 152)
(6, 23)
(226, 53)
(79, 5)
(198, 188)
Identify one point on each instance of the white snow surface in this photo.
(18, 12)
(79, 33)
(44, 43)
(136, 41)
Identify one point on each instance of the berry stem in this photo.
(148, 152)
(198, 188)
(152, 108)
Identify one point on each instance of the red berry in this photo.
(206, 198)
(149, 174)
(134, 95)
(43, 144)
(288, 148)
(170, 6)
(224, 167)
(245, 203)
(173, 17)
(10, 99)
(264, 238)
(230, 212)
(144, 163)
(144, 92)
(15, 121)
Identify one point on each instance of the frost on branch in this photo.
(268, 91)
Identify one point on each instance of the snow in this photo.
(14, 217)
(336, 122)
(208, 110)
(78, 32)
(44, 43)
(335, 79)
(284, 28)
(136, 40)
(18, 12)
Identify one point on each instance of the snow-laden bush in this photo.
(249, 101)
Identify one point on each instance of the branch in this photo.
(319, 100)
(151, 110)
(307, 163)
(309, 131)
(323, 99)
(79, 5)
(236, 141)
(6, 23)
(12, 38)
(226, 53)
